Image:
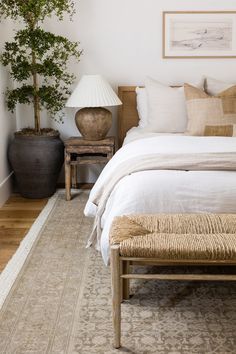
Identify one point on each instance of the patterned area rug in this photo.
(61, 302)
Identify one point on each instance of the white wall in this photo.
(7, 122)
(122, 40)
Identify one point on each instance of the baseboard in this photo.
(5, 189)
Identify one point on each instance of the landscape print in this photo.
(201, 36)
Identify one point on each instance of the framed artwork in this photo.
(200, 34)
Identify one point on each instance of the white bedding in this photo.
(166, 191)
(136, 133)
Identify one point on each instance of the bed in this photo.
(200, 177)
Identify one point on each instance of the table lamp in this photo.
(93, 92)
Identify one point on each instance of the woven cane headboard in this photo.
(127, 112)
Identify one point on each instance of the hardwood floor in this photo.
(16, 218)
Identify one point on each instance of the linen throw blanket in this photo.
(209, 161)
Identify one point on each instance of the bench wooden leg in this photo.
(116, 296)
(121, 282)
(126, 282)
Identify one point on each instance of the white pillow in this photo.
(166, 106)
(213, 87)
(141, 96)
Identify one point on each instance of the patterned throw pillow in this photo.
(220, 130)
(205, 110)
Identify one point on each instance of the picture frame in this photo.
(199, 34)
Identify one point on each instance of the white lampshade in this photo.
(93, 91)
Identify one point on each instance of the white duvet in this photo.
(166, 191)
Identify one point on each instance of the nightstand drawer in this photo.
(89, 150)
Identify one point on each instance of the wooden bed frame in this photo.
(127, 112)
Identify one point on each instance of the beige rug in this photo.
(61, 302)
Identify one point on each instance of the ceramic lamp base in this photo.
(94, 122)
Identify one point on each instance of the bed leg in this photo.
(126, 282)
(116, 296)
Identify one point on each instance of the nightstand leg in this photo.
(74, 177)
(68, 175)
(109, 156)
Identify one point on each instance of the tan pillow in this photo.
(220, 130)
(213, 86)
(204, 109)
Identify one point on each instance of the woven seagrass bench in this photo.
(167, 240)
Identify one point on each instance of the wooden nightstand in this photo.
(79, 151)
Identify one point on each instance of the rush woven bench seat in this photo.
(176, 237)
(168, 239)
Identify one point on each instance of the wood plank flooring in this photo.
(16, 218)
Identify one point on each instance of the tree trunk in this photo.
(36, 97)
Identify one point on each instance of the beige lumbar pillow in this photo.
(205, 110)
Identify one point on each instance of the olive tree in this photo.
(38, 59)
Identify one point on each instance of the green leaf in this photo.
(23, 94)
(36, 10)
(36, 58)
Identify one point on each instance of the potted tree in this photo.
(38, 62)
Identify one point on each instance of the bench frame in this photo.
(121, 275)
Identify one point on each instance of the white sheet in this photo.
(136, 133)
(167, 191)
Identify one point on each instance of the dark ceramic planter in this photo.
(36, 161)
